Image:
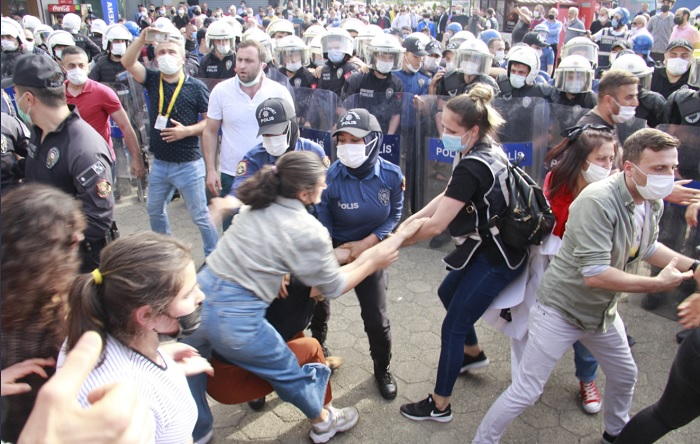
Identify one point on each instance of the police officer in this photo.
(523, 66)
(72, 23)
(14, 141)
(220, 62)
(472, 65)
(56, 42)
(673, 75)
(361, 205)
(13, 42)
(651, 104)
(683, 106)
(337, 48)
(292, 59)
(412, 79)
(431, 64)
(607, 36)
(573, 79)
(108, 66)
(65, 151)
(378, 89)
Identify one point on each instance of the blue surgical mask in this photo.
(336, 55)
(614, 23)
(454, 143)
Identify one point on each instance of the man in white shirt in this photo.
(232, 106)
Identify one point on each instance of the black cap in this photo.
(394, 31)
(534, 38)
(36, 71)
(680, 43)
(274, 115)
(622, 43)
(451, 47)
(434, 47)
(358, 122)
(415, 46)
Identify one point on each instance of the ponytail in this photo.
(474, 109)
(293, 173)
(86, 310)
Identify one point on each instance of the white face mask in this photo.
(223, 49)
(431, 63)
(253, 82)
(168, 64)
(537, 14)
(384, 67)
(500, 56)
(517, 81)
(352, 155)
(77, 76)
(29, 46)
(118, 48)
(57, 53)
(275, 145)
(626, 113)
(293, 66)
(575, 86)
(469, 67)
(594, 173)
(449, 65)
(658, 186)
(412, 68)
(9, 45)
(677, 66)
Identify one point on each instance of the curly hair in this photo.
(41, 229)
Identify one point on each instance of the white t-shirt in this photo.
(163, 389)
(236, 110)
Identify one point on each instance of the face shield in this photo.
(573, 82)
(292, 59)
(473, 63)
(384, 61)
(590, 52)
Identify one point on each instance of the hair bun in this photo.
(481, 93)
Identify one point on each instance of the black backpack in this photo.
(529, 218)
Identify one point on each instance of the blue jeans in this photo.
(586, 364)
(466, 294)
(226, 185)
(234, 324)
(188, 177)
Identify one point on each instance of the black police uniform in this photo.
(106, 69)
(87, 45)
(381, 97)
(586, 100)
(663, 86)
(214, 68)
(544, 90)
(8, 60)
(191, 64)
(683, 108)
(651, 107)
(75, 159)
(14, 141)
(333, 77)
(453, 84)
(303, 78)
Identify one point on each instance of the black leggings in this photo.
(680, 402)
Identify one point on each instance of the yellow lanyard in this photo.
(172, 100)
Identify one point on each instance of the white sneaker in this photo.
(590, 398)
(339, 420)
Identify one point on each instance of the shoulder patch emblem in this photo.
(403, 183)
(4, 144)
(692, 118)
(229, 64)
(326, 161)
(339, 73)
(297, 82)
(348, 74)
(389, 92)
(383, 196)
(421, 82)
(52, 157)
(526, 102)
(103, 188)
(91, 174)
(242, 168)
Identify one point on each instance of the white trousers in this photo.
(550, 336)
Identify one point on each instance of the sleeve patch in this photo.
(403, 183)
(242, 168)
(88, 176)
(326, 161)
(103, 188)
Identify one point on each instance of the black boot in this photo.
(257, 404)
(385, 380)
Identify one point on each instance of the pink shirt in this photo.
(687, 32)
(95, 104)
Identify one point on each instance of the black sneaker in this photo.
(257, 404)
(608, 438)
(387, 385)
(425, 410)
(474, 362)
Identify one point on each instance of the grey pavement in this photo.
(416, 315)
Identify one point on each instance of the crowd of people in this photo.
(304, 223)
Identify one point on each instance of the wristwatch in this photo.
(695, 265)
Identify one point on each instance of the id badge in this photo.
(161, 123)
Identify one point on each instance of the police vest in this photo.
(689, 105)
(475, 231)
(453, 82)
(651, 107)
(213, 68)
(333, 77)
(538, 90)
(607, 39)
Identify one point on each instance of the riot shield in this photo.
(674, 231)
(316, 115)
(525, 134)
(624, 130)
(397, 118)
(562, 117)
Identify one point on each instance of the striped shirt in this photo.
(163, 389)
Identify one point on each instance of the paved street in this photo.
(416, 316)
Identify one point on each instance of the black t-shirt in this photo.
(192, 101)
(381, 97)
(213, 68)
(591, 118)
(661, 84)
(106, 70)
(519, 30)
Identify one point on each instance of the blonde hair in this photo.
(474, 109)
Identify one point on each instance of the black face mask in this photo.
(188, 324)
(665, 8)
(551, 16)
(678, 20)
